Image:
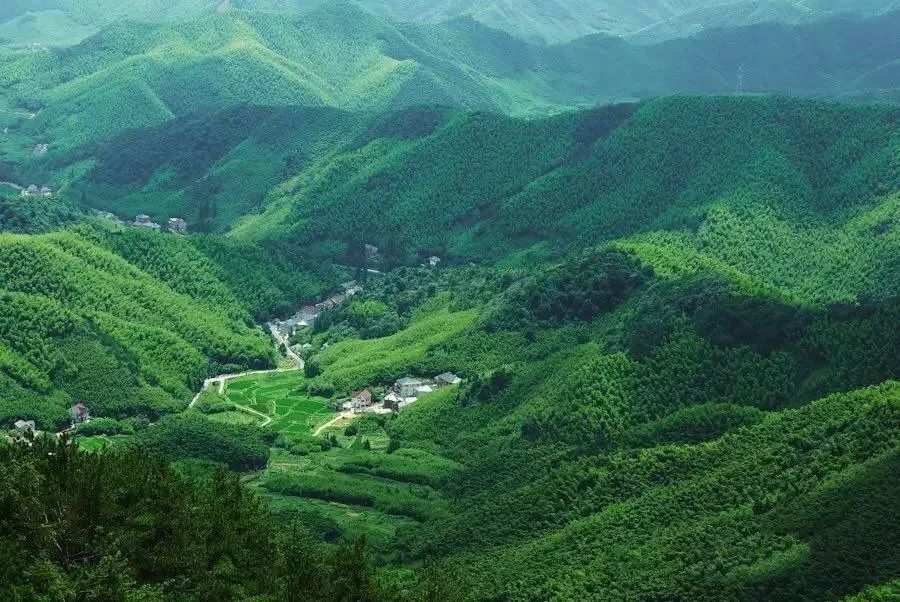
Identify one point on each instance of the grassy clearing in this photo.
(236, 417)
(334, 520)
(98, 442)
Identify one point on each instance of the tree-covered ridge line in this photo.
(801, 501)
(130, 322)
(213, 168)
(40, 21)
(692, 415)
(134, 75)
(706, 169)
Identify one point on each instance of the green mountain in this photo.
(687, 411)
(61, 22)
(129, 322)
(482, 186)
(206, 119)
(672, 321)
(136, 75)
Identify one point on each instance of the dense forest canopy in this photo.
(396, 300)
(559, 21)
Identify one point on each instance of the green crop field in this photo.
(278, 395)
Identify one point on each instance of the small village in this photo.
(174, 225)
(402, 394)
(31, 191)
(24, 429)
(307, 314)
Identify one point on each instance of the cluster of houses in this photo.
(400, 395)
(308, 313)
(78, 414)
(33, 191)
(175, 225)
(374, 256)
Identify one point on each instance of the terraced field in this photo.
(277, 395)
(346, 493)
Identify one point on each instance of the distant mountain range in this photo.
(60, 22)
(565, 20)
(339, 55)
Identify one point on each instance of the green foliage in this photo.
(709, 519)
(300, 444)
(595, 283)
(104, 426)
(370, 319)
(695, 424)
(266, 281)
(119, 525)
(194, 436)
(28, 215)
(767, 174)
(403, 465)
(403, 499)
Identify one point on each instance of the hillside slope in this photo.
(564, 20)
(129, 323)
(687, 414)
(340, 56)
(483, 185)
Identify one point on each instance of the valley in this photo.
(457, 300)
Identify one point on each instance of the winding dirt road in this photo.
(331, 423)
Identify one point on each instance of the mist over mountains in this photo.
(544, 21)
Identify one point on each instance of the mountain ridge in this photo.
(343, 56)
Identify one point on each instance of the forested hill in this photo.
(340, 55)
(130, 322)
(624, 321)
(67, 21)
(483, 185)
(565, 20)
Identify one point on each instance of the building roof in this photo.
(408, 380)
(364, 394)
(24, 424)
(424, 389)
(449, 378)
